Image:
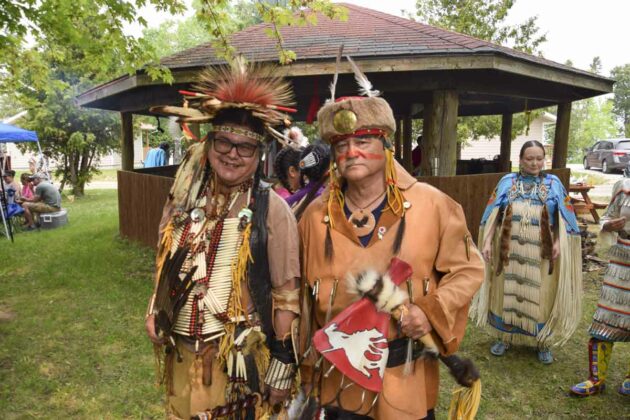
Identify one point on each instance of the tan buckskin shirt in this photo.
(435, 244)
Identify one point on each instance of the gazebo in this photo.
(423, 71)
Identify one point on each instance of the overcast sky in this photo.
(577, 30)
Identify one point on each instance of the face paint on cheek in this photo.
(358, 154)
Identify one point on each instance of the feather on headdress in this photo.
(365, 86)
(253, 87)
(333, 84)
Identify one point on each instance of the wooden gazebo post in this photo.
(398, 140)
(406, 124)
(506, 143)
(440, 133)
(126, 138)
(561, 139)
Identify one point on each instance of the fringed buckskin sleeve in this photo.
(462, 274)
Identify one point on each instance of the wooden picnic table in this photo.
(585, 205)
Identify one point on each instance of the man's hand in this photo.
(414, 322)
(613, 225)
(149, 325)
(486, 252)
(277, 396)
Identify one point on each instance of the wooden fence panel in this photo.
(142, 195)
(141, 198)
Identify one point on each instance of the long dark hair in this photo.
(528, 144)
(316, 174)
(286, 158)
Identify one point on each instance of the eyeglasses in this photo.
(225, 146)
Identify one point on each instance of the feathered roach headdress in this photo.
(255, 88)
(359, 116)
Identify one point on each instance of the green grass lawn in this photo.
(72, 304)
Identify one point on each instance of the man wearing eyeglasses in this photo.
(228, 264)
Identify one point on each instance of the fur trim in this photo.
(506, 230)
(372, 113)
(545, 235)
(362, 283)
(391, 296)
(381, 290)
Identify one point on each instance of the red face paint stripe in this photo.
(367, 156)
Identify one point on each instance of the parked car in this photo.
(608, 155)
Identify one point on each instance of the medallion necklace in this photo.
(362, 218)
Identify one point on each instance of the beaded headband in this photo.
(240, 131)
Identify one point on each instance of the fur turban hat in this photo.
(355, 116)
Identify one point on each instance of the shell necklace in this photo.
(362, 219)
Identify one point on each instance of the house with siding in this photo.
(490, 148)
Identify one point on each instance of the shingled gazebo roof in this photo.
(405, 59)
(367, 34)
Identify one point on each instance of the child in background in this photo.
(27, 186)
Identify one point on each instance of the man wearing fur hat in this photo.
(374, 210)
(227, 265)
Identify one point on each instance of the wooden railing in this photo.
(141, 196)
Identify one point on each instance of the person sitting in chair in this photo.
(12, 191)
(46, 200)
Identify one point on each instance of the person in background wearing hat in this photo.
(46, 200)
(157, 156)
(228, 256)
(372, 211)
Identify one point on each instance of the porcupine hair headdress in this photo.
(367, 115)
(258, 90)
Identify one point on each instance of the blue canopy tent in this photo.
(12, 134)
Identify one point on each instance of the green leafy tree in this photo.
(591, 120)
(622, 95)
(173, 36)
(484, 19)
(75, 137)
(218, 16)
(93, 27)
